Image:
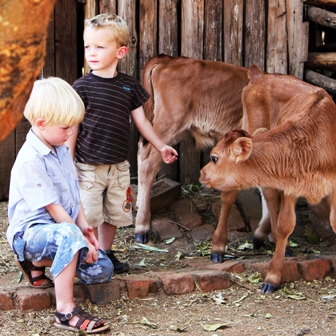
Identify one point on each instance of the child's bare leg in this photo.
(64, 283)
(106, 235)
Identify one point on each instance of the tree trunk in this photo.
(23, 34)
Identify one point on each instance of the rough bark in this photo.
(23, 33)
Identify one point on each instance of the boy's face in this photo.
(101, 52)
(53, 135)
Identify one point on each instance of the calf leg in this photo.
(148, 166)
(285, 226)
(219, 238)
(267, 224)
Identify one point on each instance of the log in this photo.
(322, 17)
(317, 79)
(323, 61)
(23, 34)
(322, 3)
(233, 31)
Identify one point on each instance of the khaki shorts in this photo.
(106, 193)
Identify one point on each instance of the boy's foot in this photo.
(119, 267)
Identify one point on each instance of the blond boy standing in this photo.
(100, 144)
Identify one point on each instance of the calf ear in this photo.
(241, 149)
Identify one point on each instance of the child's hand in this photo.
(92, 255)
(89, 235)
(168, 154)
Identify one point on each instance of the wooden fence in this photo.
(273, 34)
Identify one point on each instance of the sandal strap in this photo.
(28, 266)
(86, 321)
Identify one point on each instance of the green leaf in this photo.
(169, 241)
(142, 263)
(150, 324)
(219, 299)
(245, 246)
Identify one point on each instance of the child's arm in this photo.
(58, 213)
(168, 154)
(71, 142)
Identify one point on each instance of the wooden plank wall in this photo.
(269, 33)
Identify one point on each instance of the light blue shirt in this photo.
(40, 177)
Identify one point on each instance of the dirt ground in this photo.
(299, 308)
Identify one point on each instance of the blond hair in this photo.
(54, 100)
(119, 28)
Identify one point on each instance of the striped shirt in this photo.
(103, 136)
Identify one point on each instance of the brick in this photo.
(6, 302)
(103, 293)
(289, 273)
(166, 229)
(202, 233)
(140, 287)
(227, 266)
(211, 280)
(177, 283)
(190, 220)
(31, 298)
(314, 269)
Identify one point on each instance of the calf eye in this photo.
(213, 158)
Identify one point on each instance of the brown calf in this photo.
(187, 96)
(297, 157)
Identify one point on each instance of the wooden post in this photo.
(107, 6)
(168, 27)
(233, 31)
(129, 65)
(213, 30)
(148, 31)
(192, 46)
(276, 55)
(168, 44)
(255, 33)
(91, 9)
(297, 38)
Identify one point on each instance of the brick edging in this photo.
(205, 278)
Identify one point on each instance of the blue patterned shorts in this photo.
(60, 243)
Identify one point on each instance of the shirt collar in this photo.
(42, 148)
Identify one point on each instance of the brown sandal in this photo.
(88, 323)
(40, 281)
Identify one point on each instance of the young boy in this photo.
(47, 222)
(100, 143)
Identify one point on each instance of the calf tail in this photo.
(147, 84)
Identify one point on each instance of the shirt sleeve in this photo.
(36, 186)
(140, 95)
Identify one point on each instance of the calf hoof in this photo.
(217, 257)
(257, 243)
(268, 288)
(142, 238)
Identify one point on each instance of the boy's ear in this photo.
(122, 51)
(40, 122)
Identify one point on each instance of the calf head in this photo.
(225, 171)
